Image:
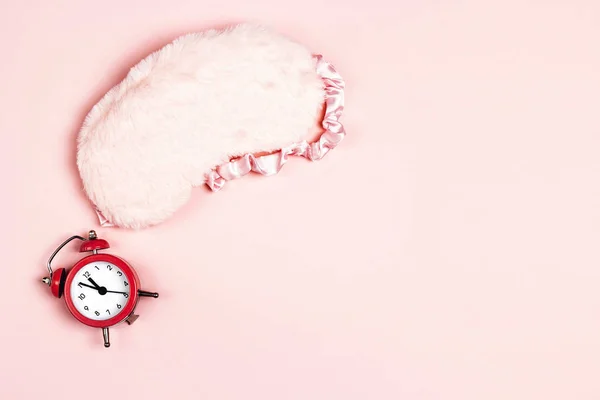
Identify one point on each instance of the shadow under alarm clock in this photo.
(100, 290)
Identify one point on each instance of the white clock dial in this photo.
(100, 290)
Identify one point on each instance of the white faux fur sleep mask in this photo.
(197, 112)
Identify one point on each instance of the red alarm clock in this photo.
(100, 290)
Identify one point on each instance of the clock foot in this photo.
(131, 319)
(105, 335)
(143, 293)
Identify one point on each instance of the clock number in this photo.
(86, 308)
(95, 266)
(126, 295)
(79, 284)
(108, 311)
(97, 313)
(109, 267)
(86, 274)
(119, 273)
(126, 284)
(81, 296)
(119, 306)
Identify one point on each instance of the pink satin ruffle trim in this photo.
(271, 164)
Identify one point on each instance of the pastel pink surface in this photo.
(447, 249)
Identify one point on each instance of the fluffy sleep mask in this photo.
(205, 109)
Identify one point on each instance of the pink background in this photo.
(456, 250)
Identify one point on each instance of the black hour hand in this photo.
(96, 286)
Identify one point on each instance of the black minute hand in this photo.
(101, 289)
(86, 285)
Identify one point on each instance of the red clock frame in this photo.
(134, 284)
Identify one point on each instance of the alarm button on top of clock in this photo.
(93, 244)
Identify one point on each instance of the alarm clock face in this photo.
(101, 290)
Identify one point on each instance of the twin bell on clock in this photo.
(101, 290)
